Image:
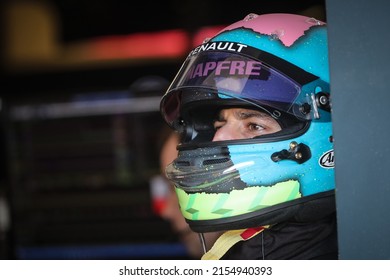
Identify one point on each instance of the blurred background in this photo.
(80, 121)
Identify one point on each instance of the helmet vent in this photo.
(182, 163)
(215, 161)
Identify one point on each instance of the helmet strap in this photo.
(228, 239)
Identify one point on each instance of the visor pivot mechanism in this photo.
(323, 101)
(296, 152)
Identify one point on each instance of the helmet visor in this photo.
(231, 75)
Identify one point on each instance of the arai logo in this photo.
(327, 159)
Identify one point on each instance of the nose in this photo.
(226, 132)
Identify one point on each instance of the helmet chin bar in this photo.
(305, 209)
(296, 152)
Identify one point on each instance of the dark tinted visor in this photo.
(232, 76)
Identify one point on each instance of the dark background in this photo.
(53, 217)
(82, 19)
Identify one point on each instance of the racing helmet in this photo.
(275, 63)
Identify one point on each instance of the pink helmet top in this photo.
(288, 30)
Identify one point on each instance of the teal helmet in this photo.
(277, 63)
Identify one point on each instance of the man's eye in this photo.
(255, 127)
(217, 125)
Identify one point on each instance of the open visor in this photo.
(228, 75)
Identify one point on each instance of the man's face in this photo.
(240, 123)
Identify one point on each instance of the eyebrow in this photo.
(242, 115)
